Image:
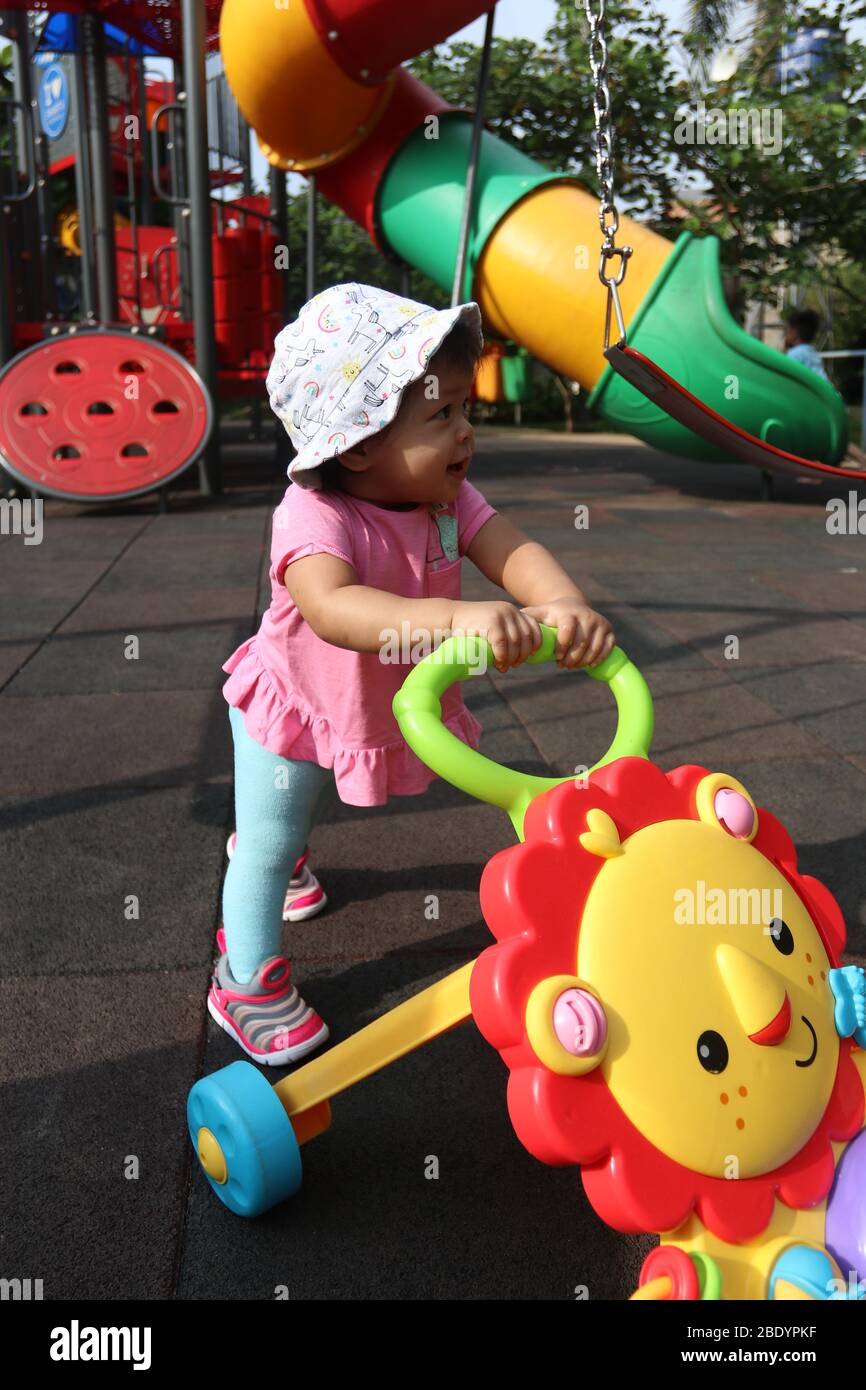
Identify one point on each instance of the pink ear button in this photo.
(579, 1023)
(735, 812)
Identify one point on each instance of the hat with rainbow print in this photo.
(340, 369)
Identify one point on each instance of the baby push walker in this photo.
(666, 991)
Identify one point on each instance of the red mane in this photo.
(564, 1120)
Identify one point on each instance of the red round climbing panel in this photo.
(101, 415)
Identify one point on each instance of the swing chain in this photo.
(607, 214)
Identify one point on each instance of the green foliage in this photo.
(794, 218)
(345, 252)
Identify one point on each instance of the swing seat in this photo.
(666, 393)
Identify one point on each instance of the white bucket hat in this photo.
(340, 369)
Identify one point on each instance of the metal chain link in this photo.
(608, 217)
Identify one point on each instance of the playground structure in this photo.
(324, 90)
(321, 85)
(654, 1051)
(111, 174)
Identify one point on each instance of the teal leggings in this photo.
(275, 808)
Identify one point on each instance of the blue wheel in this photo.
(244, 1139)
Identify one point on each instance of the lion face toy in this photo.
(661, 993)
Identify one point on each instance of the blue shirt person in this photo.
(801, 325)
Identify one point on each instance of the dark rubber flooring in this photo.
(116, 783)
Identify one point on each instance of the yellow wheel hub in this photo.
(211, 1156)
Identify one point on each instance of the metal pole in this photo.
(243, 137)
(36, 282)
(146, 190)
(7, 346)
(93, 42)
(8, 23)
(18, 32)
(44, 213)
(469, 198)
(83, 183)
(176, 148)
(280, 218)
(214, 85)
(131, 194)
(7, 342)
(280, 222)
(311, 236)
(46, 222)
(198, 185)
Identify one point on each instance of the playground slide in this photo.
(320, 82)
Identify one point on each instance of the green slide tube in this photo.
(685, 326)
(418, 710)
(420, 198)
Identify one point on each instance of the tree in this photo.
(345, 252)
(790, 209)
(710, 23)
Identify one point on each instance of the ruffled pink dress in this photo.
(305, 699)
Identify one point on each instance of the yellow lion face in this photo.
(722, 1048)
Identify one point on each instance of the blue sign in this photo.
(54, 101)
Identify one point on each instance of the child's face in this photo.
(425, 453)
(792, 337)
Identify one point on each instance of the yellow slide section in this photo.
(537, 280)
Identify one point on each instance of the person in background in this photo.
(801, 325)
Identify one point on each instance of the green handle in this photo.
(418, 711)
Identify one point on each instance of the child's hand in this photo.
(583, 637)
(512, 632)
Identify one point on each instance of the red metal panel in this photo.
(227, 299)
(231, 340)
(353, 182)
(226, 253)
(271, 293)
(374, 36)
(72, 426)
(157, 274)
(250, 241)
(251, 288)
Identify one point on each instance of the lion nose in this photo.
(775, 1031)
(758, 995)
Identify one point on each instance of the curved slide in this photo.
(320, 82)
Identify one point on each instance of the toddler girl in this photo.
(366, 547)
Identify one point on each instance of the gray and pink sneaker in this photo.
(266, 1016)
(305, 896)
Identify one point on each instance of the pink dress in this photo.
(305, 699)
